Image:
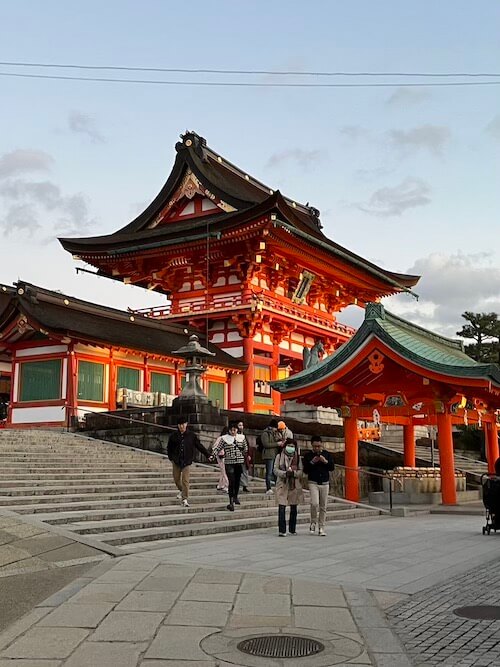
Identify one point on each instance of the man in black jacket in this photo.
(318, 463)
(180, 450)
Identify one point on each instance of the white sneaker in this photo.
(185, 503)
(281, 534)
(312, 528)
(270, 492)
(179, 495)
(321, 532)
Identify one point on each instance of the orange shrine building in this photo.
(245, 266)
(61, 357)
(395, 372)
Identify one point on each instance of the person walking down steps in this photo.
(245, 479)
(288, 471)
(180, 450)
(235, 452)
(222, 484)
(318, 463)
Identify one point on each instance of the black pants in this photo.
(233, 472)
(292, 523)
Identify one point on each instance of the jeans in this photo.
(269, 472)
(319, 499)
(292, 523)
(233, 472)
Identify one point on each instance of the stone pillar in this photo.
(409, 445)
(351, 458)
(446, 459)
(491, 443)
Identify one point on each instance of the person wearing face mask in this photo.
(288, 471)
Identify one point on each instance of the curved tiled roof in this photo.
(90, 322)
(247, 195)
(424, 348)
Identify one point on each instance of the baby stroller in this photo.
(491, 500)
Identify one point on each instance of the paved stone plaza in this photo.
(431, 632)
(370, 592)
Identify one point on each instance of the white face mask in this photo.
(290, 451)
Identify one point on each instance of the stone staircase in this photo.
(126, 497)
(473, 469)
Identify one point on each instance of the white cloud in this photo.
(81, 123)
(354, 132)
(450, 285)
(26, 205)
(21, 161)
(305, 159)
(405, 97)
(431, 138)
(493, 128)
(394, 201)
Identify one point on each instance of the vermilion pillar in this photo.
(248, 378)
(351, 458)
(274, 376)
(409, 445)
(491, 442)
(446, 459)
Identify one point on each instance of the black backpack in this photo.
(258, 442)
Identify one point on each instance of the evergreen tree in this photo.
(484, 328)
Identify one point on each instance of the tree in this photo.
(484, 328)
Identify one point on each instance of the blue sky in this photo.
(406, 177)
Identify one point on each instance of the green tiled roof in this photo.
(424, 348)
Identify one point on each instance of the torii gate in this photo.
(411, 376)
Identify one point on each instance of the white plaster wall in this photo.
(234, 351)
(39, 415)
(35, 351)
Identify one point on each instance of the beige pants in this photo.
(319, 500)
(181, 479)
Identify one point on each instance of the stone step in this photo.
(165, 507)
(44, 468)
(214, 527)
(10, 479)
(18, 487)
(219, 513)
(40, 504)
(124, 496)
(90, 458)
(82, 489)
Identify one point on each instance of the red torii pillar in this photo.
(446, 459)
(491, 442)
(351, 458)
(409, 445)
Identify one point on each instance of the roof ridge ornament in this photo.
(374, 311)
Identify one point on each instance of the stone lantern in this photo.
(194, 355)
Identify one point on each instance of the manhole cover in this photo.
(482, 612)
(281, 646)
